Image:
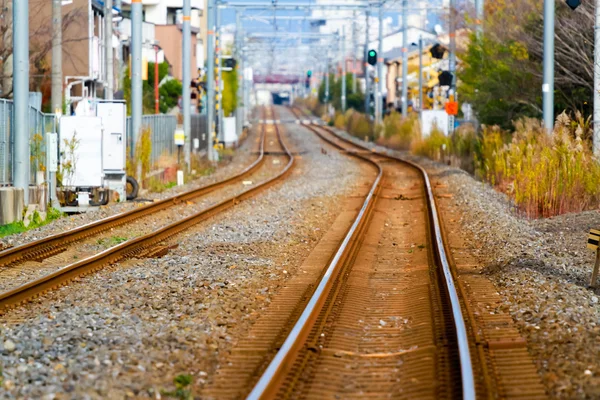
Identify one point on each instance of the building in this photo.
(167, 17)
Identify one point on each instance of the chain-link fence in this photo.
(39, 124)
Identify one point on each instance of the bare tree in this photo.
(40, 41)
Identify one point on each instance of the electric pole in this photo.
(343, 68)
(379, 97)
(548, 84)
(21, 95)
(221, 86)
(238, 70)
(354, 47)
(421, 72)
(366, 67)
(596, 138)
(57, 82)
(210, 80)
(187, 80)
(136, 74)
(405, 59)
(479, 15)
(109, 89)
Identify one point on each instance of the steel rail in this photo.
(134, 246)
(466, 365)
(282, 361)
(50, 245)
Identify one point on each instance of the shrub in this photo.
(545, 175)
(400, 132)
(436, 146)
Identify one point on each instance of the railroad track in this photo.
(376, 312)
(148, 245)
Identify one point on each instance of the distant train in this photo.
(281, 98)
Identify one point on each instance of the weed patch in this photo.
(36, 222)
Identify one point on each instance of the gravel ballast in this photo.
(542, 270)
(244, 156)
(130, 329)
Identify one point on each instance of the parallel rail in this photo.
(273, 376)
(54, 244)
(139, 245)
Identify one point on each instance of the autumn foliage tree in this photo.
(502, 71)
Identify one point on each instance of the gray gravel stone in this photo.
(129, 329)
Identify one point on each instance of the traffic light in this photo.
(445, 78)
(309, 73)
(573, 3)
(372, 57)
(230, 63)
(437, 51)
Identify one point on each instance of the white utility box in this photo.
(229, 131)
(113, 142)
(114, 145)
(81, 151)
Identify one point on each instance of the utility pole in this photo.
(119, 74)
(421, 72)
(136, 73)
(379, 97)
(327, 84)
(366, 67)
(354, 47)
(548, 84)
(187, 79)
(343, 68)
(405, 59)
(479, 15)
(210, 80)
(596, 138)
(21, 95)
(57, 82)
(239, 71)
(452, 60)
(109, 89)
(220, 112)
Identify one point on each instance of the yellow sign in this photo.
(144, 68)
(593, 239)
(179, 137)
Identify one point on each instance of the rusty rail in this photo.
(272, 378)
(140, 244)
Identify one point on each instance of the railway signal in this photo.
(372, 57)
(573, 3)
(437, 51)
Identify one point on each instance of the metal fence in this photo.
(39, 124)
(162, 128)
(163, 131)
(199, 129)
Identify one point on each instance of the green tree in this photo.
(230, 79)
(168, 93)
(353, 100)
(497, 80)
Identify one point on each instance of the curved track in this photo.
(148, 245)
(357, 313)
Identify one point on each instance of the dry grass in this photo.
(545, 175)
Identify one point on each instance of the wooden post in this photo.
(596, 266)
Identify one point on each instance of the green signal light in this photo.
(372, 53)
